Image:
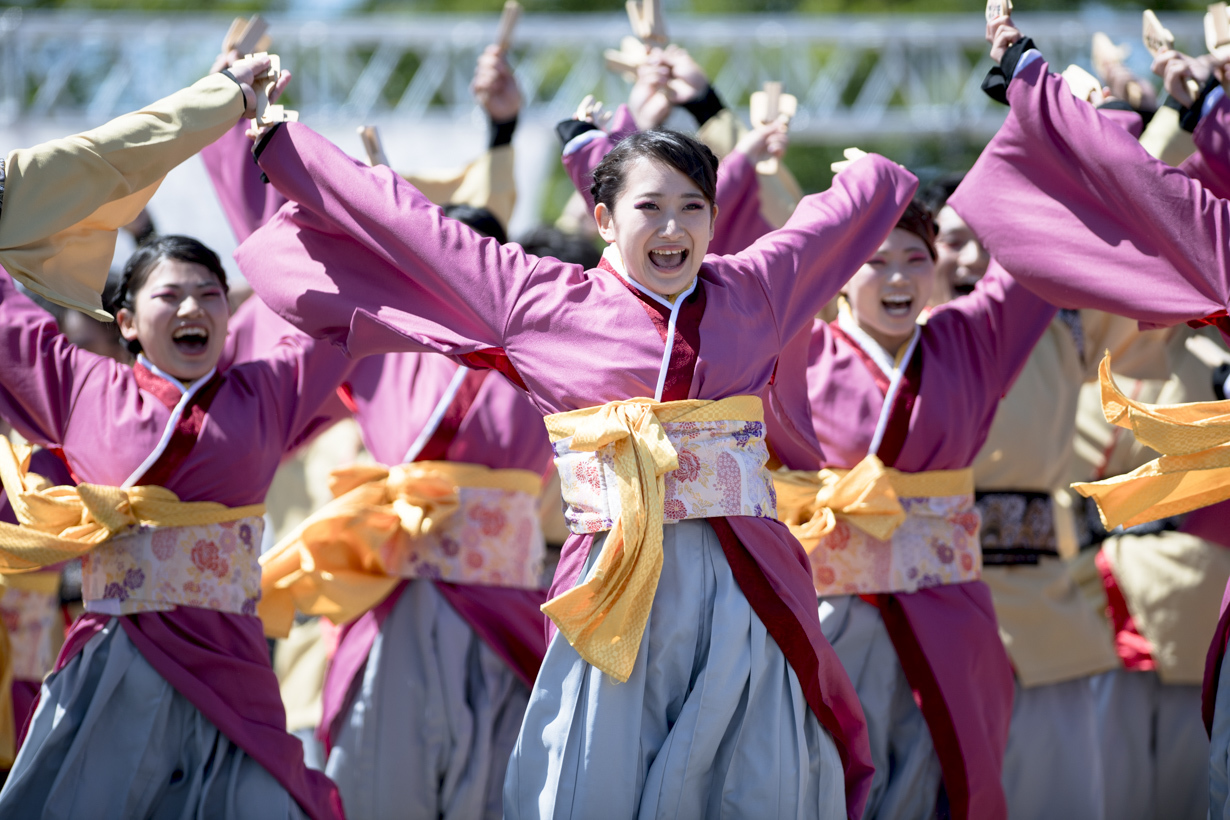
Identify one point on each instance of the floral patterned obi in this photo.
(721, 472)
(874, 529)
(30, 607)
(936, 545)
(153, 569)
(493, 538)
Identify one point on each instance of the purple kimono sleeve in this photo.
(739, 218)
(247, 201)
(804, 264)
(1210, 165)
(411, 278)
(1075, 208)
(300, 375)
(580, 163)
(42, 374)
(999, 324)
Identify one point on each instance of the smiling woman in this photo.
(172, 306)
(663, 223)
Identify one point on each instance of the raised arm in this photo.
(999, 323)
(1077, 209)
(585, 144)
(41, 373)
(410, 278)
(1210, 165)
(803, 265)
(245, 198)
(65, 199)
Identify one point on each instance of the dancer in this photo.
(1159, 261)
(601, 735)
(429, 683)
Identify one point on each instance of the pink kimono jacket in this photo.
(824, 404)
(381, 269)
(1085, 217)
(107, 419)
(392, 398)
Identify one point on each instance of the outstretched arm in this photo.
(1077, 209)
(401, 266)
(804, 264)
(246, 200)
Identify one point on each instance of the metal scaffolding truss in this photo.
(898, 76)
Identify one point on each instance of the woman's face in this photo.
(961, 260)
(891, 289)
(662, 225)
(179, 316)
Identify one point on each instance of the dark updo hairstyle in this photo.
(147, 257)
(918, 220)
(480, 219)
(685, 154)
(935, 194)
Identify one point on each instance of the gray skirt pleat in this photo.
(712, 722)
(433, 721)
(112, 739)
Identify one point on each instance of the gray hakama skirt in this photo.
(1155, 753)
(433, 720)
(712, 722)
(112, 739)
(1053, 763)
(907, 779)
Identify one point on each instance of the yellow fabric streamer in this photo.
(331, 564)
(604, 617)
(866, 496)
(61, 523)
(64, 200)
(1192, 472)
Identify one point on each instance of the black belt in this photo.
(1017, 527)
(1090, 533)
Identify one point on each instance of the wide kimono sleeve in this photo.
(64, 200)
(998, 325)
(361, 258)
(42, 374)
(804, 264)
(1073, 206)
(245, 198)
(1210, 165)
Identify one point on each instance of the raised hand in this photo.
(1181, 73)
(765, 141)
(1002, 35)
(648, 100)
(688, 80)
(495, 87)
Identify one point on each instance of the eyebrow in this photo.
(691, 194)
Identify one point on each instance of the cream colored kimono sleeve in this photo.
(64, 200)
(487, 182)
(779, 193)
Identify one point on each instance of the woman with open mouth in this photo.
(689, 675)
(163, 702)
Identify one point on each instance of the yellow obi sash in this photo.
(875, 529)
(61, 523)
(1192, 472)
(462, 523)
(630, 467)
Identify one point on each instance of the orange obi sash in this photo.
(462, 523)
(1194, 467)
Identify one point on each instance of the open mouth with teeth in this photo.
(668, 260)
(898, 304)
(190, 340)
